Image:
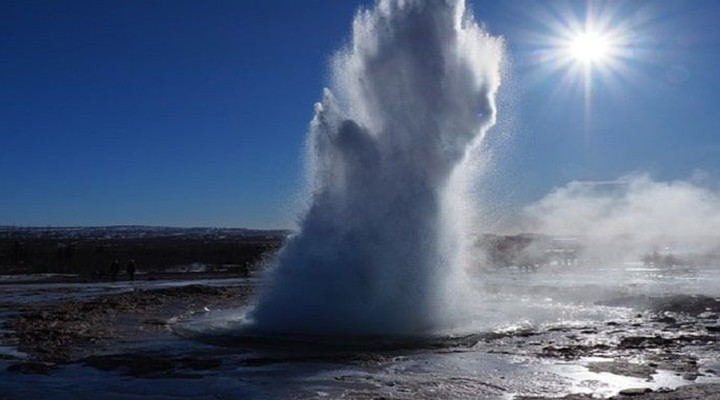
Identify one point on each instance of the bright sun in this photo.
(590, 48)
(580, 52)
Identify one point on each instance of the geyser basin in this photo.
(382, 247)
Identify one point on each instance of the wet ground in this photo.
(621, 331)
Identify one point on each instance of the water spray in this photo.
(382, 248)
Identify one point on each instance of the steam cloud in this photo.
(632, 216)
(382, 247)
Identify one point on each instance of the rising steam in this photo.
(382, 247)
(634, 215)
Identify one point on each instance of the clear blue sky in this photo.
(194, 113)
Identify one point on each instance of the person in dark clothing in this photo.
(131, 268)
(114, 269)
(17, 252)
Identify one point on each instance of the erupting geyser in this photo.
(381, 248)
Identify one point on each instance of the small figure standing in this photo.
(114, 269)
(17, 253)
(131, 267)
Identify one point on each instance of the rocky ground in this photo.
(55, 333)
(690, 392)
(672, 333)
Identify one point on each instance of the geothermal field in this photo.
(395, 283)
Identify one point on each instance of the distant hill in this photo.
(133, 232)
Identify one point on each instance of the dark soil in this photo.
(68, 331)
(89, 258)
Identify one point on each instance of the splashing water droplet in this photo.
(382, 248)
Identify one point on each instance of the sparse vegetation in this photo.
(91, 257)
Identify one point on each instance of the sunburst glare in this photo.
(582, 50)
(590, 48)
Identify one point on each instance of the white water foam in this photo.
(382, 248)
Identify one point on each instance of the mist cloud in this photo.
(632, 215)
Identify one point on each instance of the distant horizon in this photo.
(12, 226)
(479, 233)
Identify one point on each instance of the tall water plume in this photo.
(382, 246)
